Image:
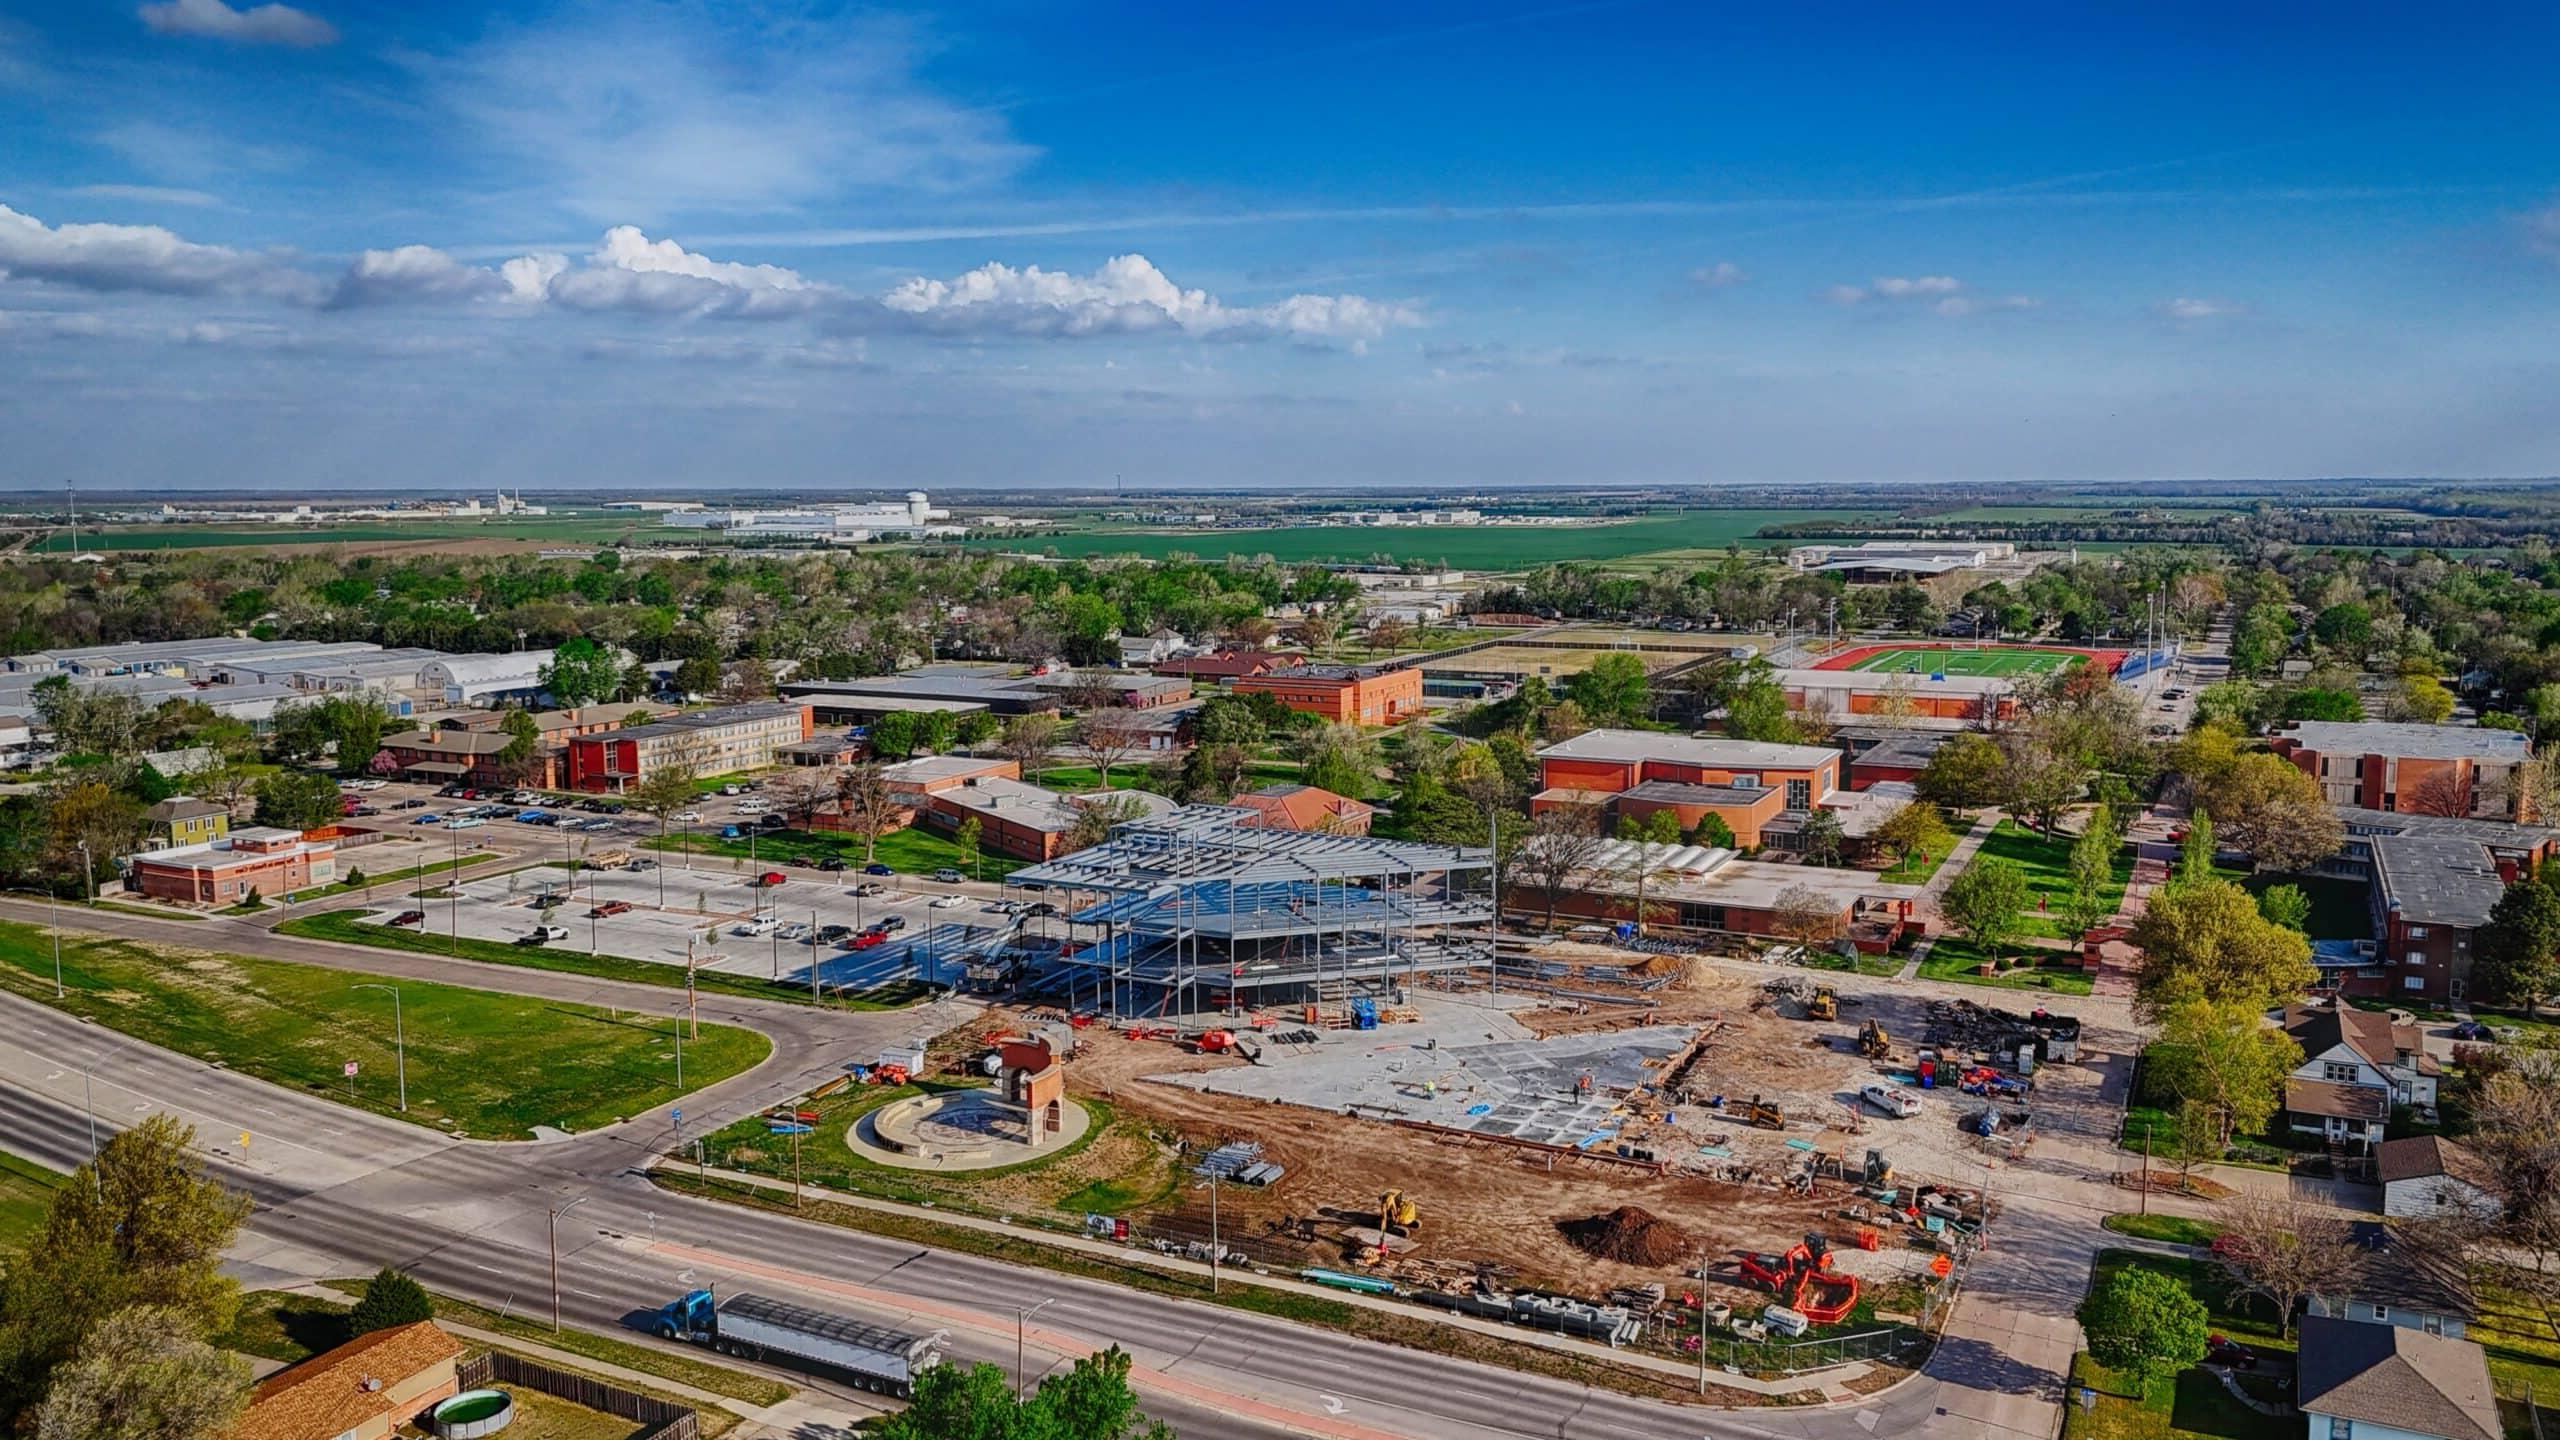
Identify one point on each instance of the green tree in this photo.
(2205, 939)
(2422, 699)
(524, 737)
(2286, 905)
(139, 1225)
(2092, 896)
(971, 838)
(2196, 852)
(298, 800)
(2265, 805)
(1228, 720)
(1713, 831)
(1756, 707)
(583, 672)
(697, 675)
(1967, 773)
(1915, 829)
(975, 728)
(2515, 957)
(2319, 704)
(893, 736)
(1985, 900)
(2258, 643)
(391, 1298)
(140, 1376)
(1093, 1401)
(2226, 1057)
(1613, 690)
(1823, 837)
(2144, 1324)
(93, 813)
(2345, 627)
(870, 807)
(355, 725)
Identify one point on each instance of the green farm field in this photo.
(1465, 547)
(1965, 662)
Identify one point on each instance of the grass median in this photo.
(479, 1063)
(342, 926)
(26, 1189)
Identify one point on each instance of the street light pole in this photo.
(89, 1104)
(1021, 1325)
(53, 908)
(88, 878)
(399, 1037)
(555, 1258)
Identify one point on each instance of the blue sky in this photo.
(353, 244)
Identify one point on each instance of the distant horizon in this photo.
(268, 245)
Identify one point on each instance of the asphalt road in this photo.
(340, 1192)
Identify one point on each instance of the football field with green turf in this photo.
(1993, 660)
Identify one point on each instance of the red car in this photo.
(867, 939)
(771, 878)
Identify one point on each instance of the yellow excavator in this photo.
(1823, 1006)
(1397, 1215)
(1874, 1041)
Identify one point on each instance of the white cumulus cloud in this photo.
(261, 25)
(412, 273)
(629, 271)
(1126, 295)
(145, 258)
(1718, 276)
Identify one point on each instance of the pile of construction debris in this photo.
(1630, 1235)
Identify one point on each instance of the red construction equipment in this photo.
(1803, 1277)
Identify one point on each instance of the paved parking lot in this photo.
(706, 912)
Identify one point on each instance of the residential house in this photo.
(1151, 649)
(2392, 1282)
(2356, 1065)
(1306, 807)
(2454, 771)
(2428, 1176)
(1351, 694)
(366, 1389)
(187, 820)
(17, 741)
(2387, 1382)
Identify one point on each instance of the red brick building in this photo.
(724, 741)
(1639, 772)
(2458, 771)
(1353, 694)
(256, 860)
(1307, 807)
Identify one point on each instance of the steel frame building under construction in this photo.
(1209, 908)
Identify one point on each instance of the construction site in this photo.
(1568, 1141)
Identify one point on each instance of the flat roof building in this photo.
(2444, 770)
(1350, 694)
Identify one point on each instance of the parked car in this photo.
(834, 933)
(876, 868)
(764, 926)
(412, 804)
(948, 876)
(893, 923)
(366, 810)
(752, 806)
(732, 832)
(410, 917)
(868, 889)
(733, 789)
(544, 935)
(867, 939)
(793, 931)
(950, 902)
(467, 822)
(686, 817)
(1038, 909)
(430, 818)
(639, 864)
(832, 863)
(771, 878)
(2224, 1351)
(1893, 1100)
(609, 909)
(2474, 1030)
(534, 817)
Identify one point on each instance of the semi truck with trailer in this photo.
(752, 1327)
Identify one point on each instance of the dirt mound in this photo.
(1629, 1235)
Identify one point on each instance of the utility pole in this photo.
(1702, 1321)
(1021, 1323)
(679, 1060)
(400, 1038)
(555, 1258)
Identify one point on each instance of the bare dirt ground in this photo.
(1489, 1204)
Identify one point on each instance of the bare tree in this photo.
(2283, 1249)
(1097, 817)
(1112, 734)
(797, 794)
(1807, 916)
(1562, 844)
(1027, 741)
(870, 807)
(2442, 793)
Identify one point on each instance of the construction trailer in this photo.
(1206, 909)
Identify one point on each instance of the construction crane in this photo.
(1874, 1041)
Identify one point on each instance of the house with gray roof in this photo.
(2388, 1382)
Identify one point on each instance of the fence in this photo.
(665, 1420)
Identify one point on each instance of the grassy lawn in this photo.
(292, 1328)
(371, 882)
(26, 1188)
(679, 1368)
(1955, 958)
(1915, 869)
(340, 925)
(2189, 1404)
(2047, 864)
(1125, 1171)
(912, 851)
(2517, 1332)
(1081, 779)
(2167, 1229)
(545, 1417)
(479, 1063)
(2151, 1117)
(2234, 1312)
